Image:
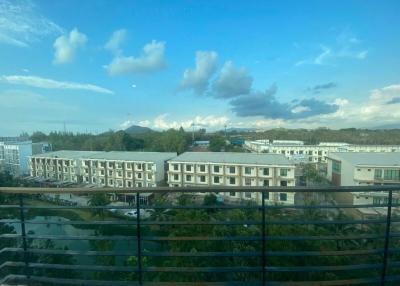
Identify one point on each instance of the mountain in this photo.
(237, 129)
(388, 126)
(136, 129)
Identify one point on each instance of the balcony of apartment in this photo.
(178, 238)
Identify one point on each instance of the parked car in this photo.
(144, 213)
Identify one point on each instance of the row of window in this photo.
(116, 183)
(283, 197)
(388, 174)
(119, 165)
(219, 180)
(231, 169)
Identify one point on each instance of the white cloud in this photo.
(152, 59)
(232, 82)
(66, 45)
(46, 83)
(115, 41)
(198, 78)
(21, 24)
(300, 109)
(345, 47)
(162, 122)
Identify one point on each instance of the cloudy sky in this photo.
(99, 65)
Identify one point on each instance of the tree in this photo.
(217, 143)
(97, 200)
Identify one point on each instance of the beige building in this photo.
(103, 169)
(313, 153)
(210, 169)
(357, 169)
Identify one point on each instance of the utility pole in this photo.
(193, 133)
(65, 128)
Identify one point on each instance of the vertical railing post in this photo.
(23, 236)
(263, 257)
(387, 236)
(139, 242)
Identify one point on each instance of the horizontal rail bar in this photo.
(317, 189)
(221, 207)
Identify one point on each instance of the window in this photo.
(149, 176)
(266, 195)
(232, 194)
(176, 177)
(102, 181)
(202, 168)
(139, 166)
(378, 174)
(358, 170)
(102, 172)
(247, 195)
(139, 184)
(176, 167)
(188, 178)
(283, 197)
(266, 171)
(139, 175)
(247, 170)
(110, 173)
(129, 165)
(202, 179)
(232, 170)
(265, 183)
(119, 173)
(232, 181)
(283, 172)
(188, 168)
(392, 175)
(129, 174)
(129, 184)
(247, 182)
(284, 183)
(336, 167)
(119, 165)
(216, 169)
(216, 180)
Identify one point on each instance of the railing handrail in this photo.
(205, 189)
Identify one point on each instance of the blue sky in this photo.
(99, 65)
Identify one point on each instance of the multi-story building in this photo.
(313, 153)
(14, 155)
(355, 169)
(103, 169)
(233, 169)
(125, 169)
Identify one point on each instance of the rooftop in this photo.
(67, 154)
(132, 156)
(368, 158)
(112, 155)
(233, 157)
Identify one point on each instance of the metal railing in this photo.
(179, 239)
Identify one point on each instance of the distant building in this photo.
(202, 143)
(14, 155)
(355, 169)
(234, 169)
(314, 153)
(103, 169)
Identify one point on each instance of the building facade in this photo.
(357, 169)
(233, 169)
(102, 169)
(14, 155)
(313, 153)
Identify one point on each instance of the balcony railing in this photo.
(185, 238)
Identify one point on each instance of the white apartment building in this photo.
(14, 155)
(234, 169)
(357, 169)
(125, 169)
(354, 169)
(313, 153)
(102, 169)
